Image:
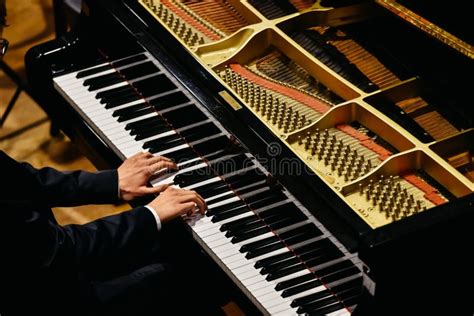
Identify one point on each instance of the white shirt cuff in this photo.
(157, 218)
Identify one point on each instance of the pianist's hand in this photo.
(136, 171)
(173, 202)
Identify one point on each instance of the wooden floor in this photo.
(25, 135)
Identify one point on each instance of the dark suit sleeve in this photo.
(42, 244)
(76, 187)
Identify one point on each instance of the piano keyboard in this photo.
(273, 248)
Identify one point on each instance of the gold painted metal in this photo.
(373, 187)
(230, 100)
(428, 27)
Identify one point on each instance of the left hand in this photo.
(136, 171)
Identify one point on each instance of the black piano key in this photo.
(310, 298)
(135, 114)
(334, 268)
(161, 140)
(168, 100)
(200, 131)
(114, 92)
(340, 275)
(211, 145)
(96, 70)
(296, 236)
(150, 120)
(226, 215)
(103, 81)
(146, 127)
(259, 243)
(272, 222)
(264, 250)
(154, 122)
(284, 211)
(194, 176)
(245, 179)
(129, 73)
(181, 155)
(212, 191)
(265, 199)
(232, 164)
(273, 259)
(225, 207)
(325, 257)
(137, 71)
(157, 147)
(121, 99)
(268, 193)
(284, 272)
(278, 223)
(336, 290)
(250, 234)
(351, 301)
(330, 304)
(275, 267)
(295, 281)
(151, 131)
(283, 236)
(354, 283)
(213, 186)
(301, 288)
(240, 221)
(222, 198)
(322, 244)
(162, 143)
(128, 60)
(154, 85)
(329, 307)
(280, 265)
(244, 227)
(215, 155)
(244, 188)
(130, 109)
(307, 229)
(185, 116)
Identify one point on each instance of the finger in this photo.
(164, 164)
(164, 158)
(155, 159)
(188, 208)
(147, 155)
(154, 190)
(160, 166)
(192, 196)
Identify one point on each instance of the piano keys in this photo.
(282, 257)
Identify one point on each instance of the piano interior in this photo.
(339, 87)
(301, 68)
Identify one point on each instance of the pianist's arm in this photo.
(33, 241)
(102, 187)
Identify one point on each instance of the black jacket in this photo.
(43, 262)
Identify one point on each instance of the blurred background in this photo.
(25, 133)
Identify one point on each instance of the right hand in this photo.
(173, 202)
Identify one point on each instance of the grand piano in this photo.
(332, 140)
